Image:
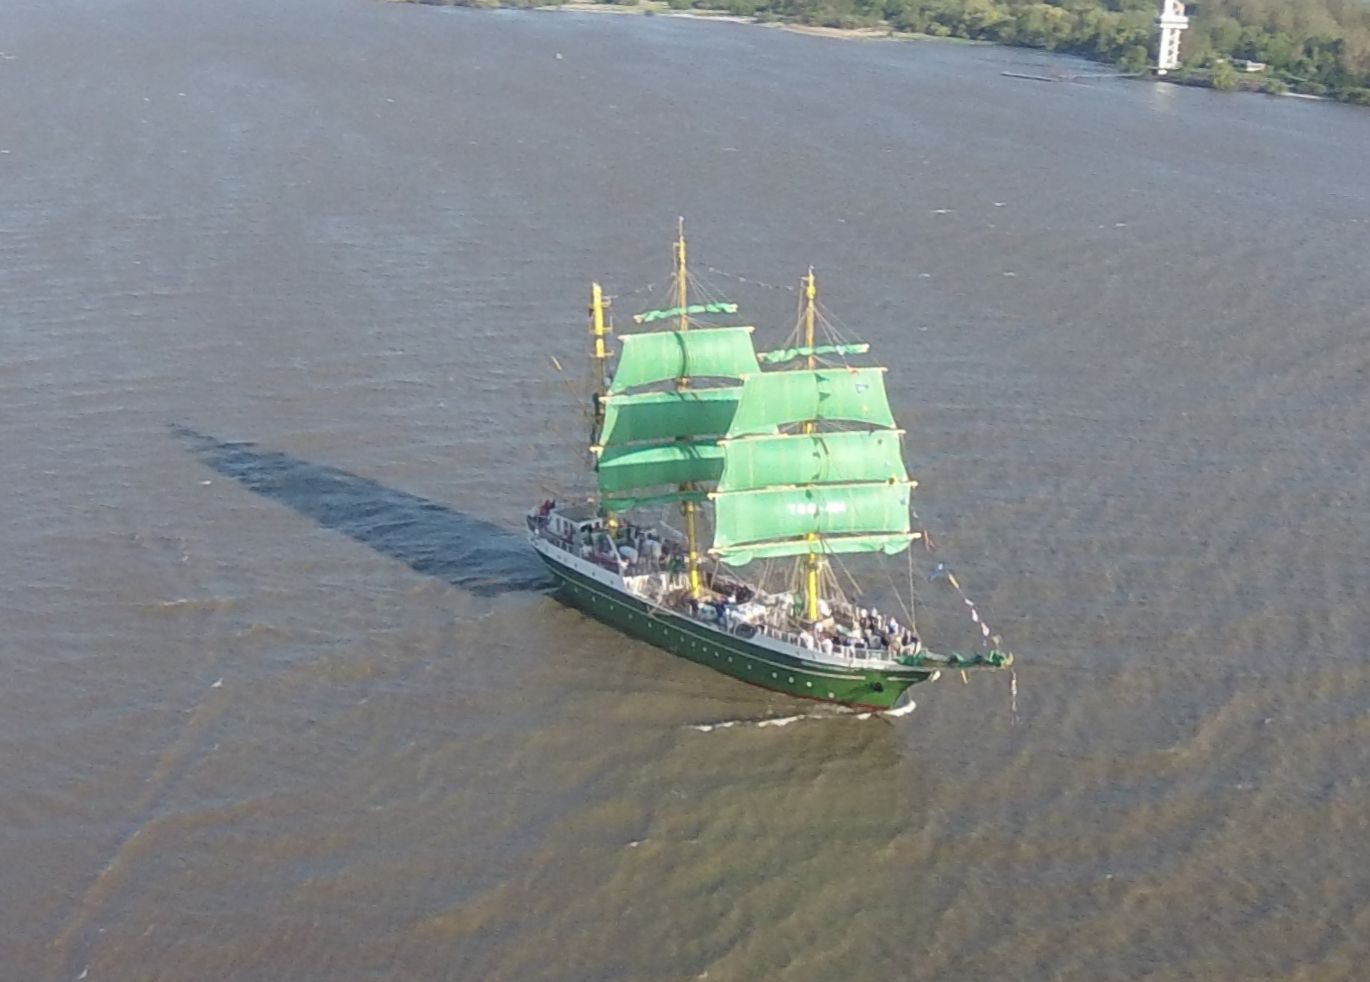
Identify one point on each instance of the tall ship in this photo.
(779, 463)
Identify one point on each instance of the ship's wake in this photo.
(837, 714)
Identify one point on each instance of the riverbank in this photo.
(1126, 52)
(657, 8)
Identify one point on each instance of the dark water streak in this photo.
(430, 538)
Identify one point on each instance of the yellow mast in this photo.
(597, 330)
(810, 560)
(684, 323)
(687, 508)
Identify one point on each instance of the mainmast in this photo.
(687, 507)
(811, 561)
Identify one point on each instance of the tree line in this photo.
(1318, 47)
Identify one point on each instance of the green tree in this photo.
(1315, 45)
(1222, 76)
(1134, 59)
(982, 18)
(1225, 34)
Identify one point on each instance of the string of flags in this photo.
(943, 571)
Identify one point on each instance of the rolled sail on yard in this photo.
(781, 355)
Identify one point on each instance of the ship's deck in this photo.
(647, 563)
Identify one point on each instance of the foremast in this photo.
(601, 353)
(648, 437)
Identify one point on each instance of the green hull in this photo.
(759, 665)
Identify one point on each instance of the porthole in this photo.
(791, 678)
(810, 685)
(831, 696)
(774, 676)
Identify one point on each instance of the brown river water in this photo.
(285, 696)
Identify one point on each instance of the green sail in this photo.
(742, 518)
(817, 458)
(667, 415)
(782, 355)
(770, 399)
(628, 468)
(716, 307)
(890, 544)
(718, 352)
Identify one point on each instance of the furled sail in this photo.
(720, 352)
(771, 399)
(716, 307)
(782, 355)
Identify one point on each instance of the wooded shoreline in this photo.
(1312, 48)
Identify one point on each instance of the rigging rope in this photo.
(632, 293)
(846, 572)
(830, 322)
(913, 597)
(894, 589)
(748, 280)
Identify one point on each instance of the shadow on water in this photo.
(429, 538)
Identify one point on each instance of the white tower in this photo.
(1172, 23)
